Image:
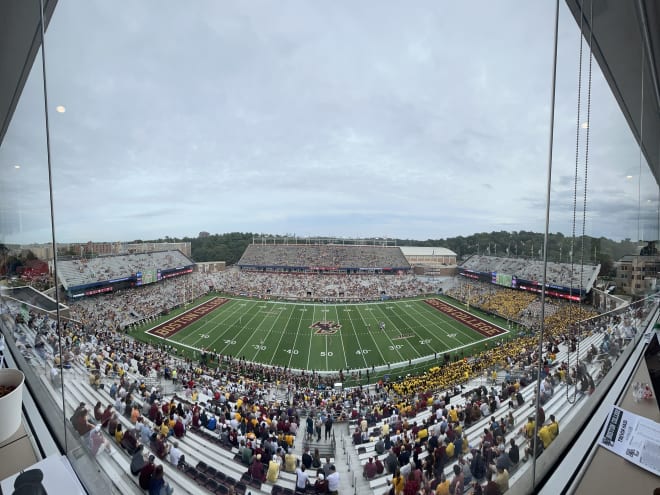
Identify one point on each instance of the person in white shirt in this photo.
(333, 481)
(175, 454)
(302, 480)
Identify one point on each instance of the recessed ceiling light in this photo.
(60, 109)
(628, 176)
(585, 125)
(17, 166)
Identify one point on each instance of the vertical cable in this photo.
(575, 188)
(545, 237)
(52, 214)
(641, 144)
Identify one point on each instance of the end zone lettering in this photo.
(169, 328)
(477, 324)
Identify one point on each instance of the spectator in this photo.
(302, 479)
(369, 471)
(502, 479)
(146, 473)
(98, 411)
(316, 460)
(333, 481)
(273, 471)
(256, 469)
(96, 441)
(290, 462)
(321, 485)
(157, 484)
(442, 488)
(456, 485)
(538, 445)
(307, 459)
(129, 441)
(119, 433)
(175, 453)
(478, 465)
(514, 454)
(491, 487)
(138, 461)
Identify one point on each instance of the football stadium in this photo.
(320, 365)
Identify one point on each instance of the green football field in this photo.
(325, 337)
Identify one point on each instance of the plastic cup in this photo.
(11, 404)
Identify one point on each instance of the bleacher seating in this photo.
(324, 257)
(557, 273)
(83, 271)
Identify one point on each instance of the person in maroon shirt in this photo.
(153, 411)
(491, 488)
(146, 473)
(179, 429)
(379, 466)
(369, 470)
(107, 415)
(256, 469)
(412, 486)
(98, 411)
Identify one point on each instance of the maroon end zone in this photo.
(477, 324)
(178, 323)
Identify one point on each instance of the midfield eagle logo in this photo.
(325, 327)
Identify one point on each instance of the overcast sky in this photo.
(418, 120)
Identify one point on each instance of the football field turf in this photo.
(326, 337)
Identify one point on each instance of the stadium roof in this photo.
(426, 251)
(20, 36)
(622, 33)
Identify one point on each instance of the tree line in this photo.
(229, 247)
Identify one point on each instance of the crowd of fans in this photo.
(323, 257)
(234, 399)
(310, 286)
(563, 274)
(120, 309)
(88, 270)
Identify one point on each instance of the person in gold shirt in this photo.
(398, 482)
(119, 434)
(553, 426)
(443, 486)
(449, 451)
(546, 436)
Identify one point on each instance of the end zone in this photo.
(178, 323)
(483, 327)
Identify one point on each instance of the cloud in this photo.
(342, 118)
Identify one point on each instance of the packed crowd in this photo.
(309, 286)
(557, 273)
(122, 308)
(323, 257)
(416, 455)
(105, 268)
(236, 400)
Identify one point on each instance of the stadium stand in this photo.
(85, 271)
(561, 274)
(244, 402)
(323, 257)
